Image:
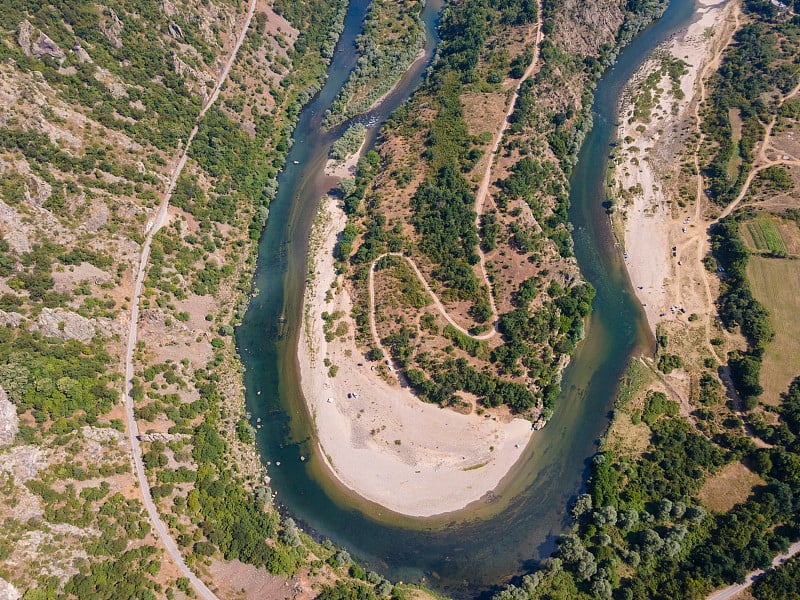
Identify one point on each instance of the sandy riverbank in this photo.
(663, 278)
(385, 444)
(344, 168)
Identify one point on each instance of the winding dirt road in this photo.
(480, 198)
(153, 226)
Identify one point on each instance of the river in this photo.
(463, 555)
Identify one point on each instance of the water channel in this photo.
(467, 553)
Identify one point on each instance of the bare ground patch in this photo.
(732, 485)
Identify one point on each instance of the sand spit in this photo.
(380, 440)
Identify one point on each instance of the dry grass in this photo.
(484, 111)
(729, 487)
(776, 284)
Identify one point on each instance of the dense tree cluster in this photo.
(738, 307)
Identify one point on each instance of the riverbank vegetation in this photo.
(349, 143)
(392, 39)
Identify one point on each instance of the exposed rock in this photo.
(175, 30)
(11, 230)
(10, 318)
(112, 28)
(8, 591)
(114, 84)
(24, 37)
(24, 462)
(42, 193)
(44, 46)
(32, 545)
(83, 56)
(168, 8)
(97, 216)
(67, 325)
(66, 280)
(9, 422)
(102, 435)
(179, 66)
(99, 440)
(163, 437)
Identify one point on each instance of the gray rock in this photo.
(24, 462)
(9, 422)
(42, 193)
(163, 437)
(83, 56)
(8, 591)
(10, 318)
(44, 46)
(103, 435)
(67, 325)
(13, 233)
(112, 28)
(24, 37)
(175, 30)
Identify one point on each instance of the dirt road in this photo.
(153, 226)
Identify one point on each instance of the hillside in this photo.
(99, 103)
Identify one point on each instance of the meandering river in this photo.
(462, 554)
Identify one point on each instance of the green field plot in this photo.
(776, 285)
(763, 235)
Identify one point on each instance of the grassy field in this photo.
(764, 236)
(776, 284)
(728, 487)
(736, 134)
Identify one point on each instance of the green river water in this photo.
(463, 554)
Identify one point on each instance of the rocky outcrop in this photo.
(24, 462)
(163, 437)
(42, 46)
(103, 435)
(9, 422)
(8, 591)
(175, 30)
(83, 55)
(38, 197)
(67, 325)
(10, 319)
(97, 217)
(111, 27)
(25, 36)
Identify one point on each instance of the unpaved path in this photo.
(483, 190)
(480, 198)
(733, 590)
(153, 226)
